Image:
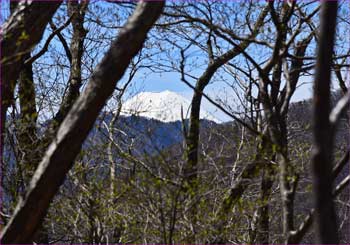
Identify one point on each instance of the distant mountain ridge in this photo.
(165, 106)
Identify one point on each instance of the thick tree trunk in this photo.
(60, 155)
(28, 141)
(27, 131)
(19, 34)
(263, 223)
(323, 134)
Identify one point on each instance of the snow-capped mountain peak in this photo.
(164, 106)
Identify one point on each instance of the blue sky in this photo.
(172, 82)
(156, 82)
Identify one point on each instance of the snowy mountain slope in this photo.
(164, 106)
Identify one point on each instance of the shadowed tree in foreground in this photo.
(60, 155)
(323, 131)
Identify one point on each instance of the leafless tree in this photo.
(105, 175)
(77, 124)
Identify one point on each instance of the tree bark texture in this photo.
(62, 152)
(19, 34)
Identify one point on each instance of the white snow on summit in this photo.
(164, 106)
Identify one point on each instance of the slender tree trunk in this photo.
(192, 139)
(77, 10)
(250, 171)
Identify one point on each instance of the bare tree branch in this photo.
(297, 235)
(48, 41)
(60, 156)
(339, 109)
